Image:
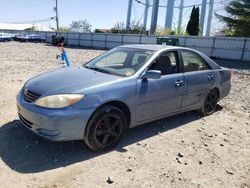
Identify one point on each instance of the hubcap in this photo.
(108, 130)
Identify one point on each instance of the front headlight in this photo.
(58, 101)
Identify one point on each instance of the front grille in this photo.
(31, 96)
(25, 121)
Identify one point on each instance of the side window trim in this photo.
(180, 62)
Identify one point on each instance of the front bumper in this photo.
(54, 124)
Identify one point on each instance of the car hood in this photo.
(68, 80)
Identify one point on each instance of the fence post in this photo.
(213, 47)
(140, 39)
(67, 37)
(91, 43)
(243, 50)
(185, 41)
(122, 38)
(46, 36)
(105, 44)
(79, 39)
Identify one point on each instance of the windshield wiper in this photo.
(97, 69)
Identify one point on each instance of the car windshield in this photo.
(120, 61)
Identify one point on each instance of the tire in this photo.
(210, 103)
(105, 128)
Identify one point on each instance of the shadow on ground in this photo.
(25, 152)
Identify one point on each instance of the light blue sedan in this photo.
(122, 88)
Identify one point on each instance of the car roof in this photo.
(153, 47)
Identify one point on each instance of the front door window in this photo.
(166, 63)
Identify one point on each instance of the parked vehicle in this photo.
(29, 38)
(36, 38)
(18, 37)
(5, 37)
(124, 87)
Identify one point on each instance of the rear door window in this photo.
(193, 62)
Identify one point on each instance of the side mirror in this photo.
(152, 74)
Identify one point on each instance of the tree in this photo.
(64, 29)
(238, 19)
(136, 27)
(80, 26)
(193, 27)
(162, 31)
(119, 27)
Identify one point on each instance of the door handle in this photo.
(178, 83)
(210, 77)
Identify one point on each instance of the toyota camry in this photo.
(122, 88)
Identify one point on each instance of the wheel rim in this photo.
(108, 130)
(211, 102)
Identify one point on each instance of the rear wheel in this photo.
(105, 128)
(210, 103)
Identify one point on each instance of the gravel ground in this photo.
(186, 150)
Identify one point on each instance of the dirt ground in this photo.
(186, 150)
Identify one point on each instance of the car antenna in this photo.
(64, 56)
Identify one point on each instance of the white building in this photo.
(36, 27)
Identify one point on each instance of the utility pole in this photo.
(57, 22)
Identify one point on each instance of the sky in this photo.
(102, 14)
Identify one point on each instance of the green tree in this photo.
(135, 28)
(119, 27)
(193, 27)
(80, 26)
(238, 18)
(162, 31)
(64, 29)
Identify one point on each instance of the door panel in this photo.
(199, 84)
(199, 79)
(158, 97)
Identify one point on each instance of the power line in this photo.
(138, 18)
(31, 5)
(38, 4)
(34, 21)
(44, 14)
(164, 6)
(136, 14)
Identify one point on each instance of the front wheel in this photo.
(105, 128)
(210, 103)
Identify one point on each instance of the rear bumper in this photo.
(53, 124)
